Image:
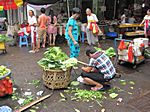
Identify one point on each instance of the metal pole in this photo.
(68, 9)
(115, 9)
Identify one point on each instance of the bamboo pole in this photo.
(83, 63)
(33, 103)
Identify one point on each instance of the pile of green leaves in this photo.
(4, 38)
(109, 52)
(54, 58)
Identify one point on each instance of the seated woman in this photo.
(99, 71)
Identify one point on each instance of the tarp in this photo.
(38, 7)
(41, 2)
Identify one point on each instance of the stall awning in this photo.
(10, 4)
(41, 2)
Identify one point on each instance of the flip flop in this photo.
(98, 89)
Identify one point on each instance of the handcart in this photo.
(123, 55)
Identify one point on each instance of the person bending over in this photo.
(99, 71)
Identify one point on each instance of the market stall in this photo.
(130, 30)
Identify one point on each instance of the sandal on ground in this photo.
(32, 51)
(97, 89)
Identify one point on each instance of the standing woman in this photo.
(146, 22)
(52, 27)
(32, 23)
(72, 33)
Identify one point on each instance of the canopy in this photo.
(38, 7)
(10, 4)
(41, 2)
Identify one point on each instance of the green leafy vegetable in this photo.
(4, 38)
(75, 83)
(131, 82)
(54, 58)
(109, 52)
(113, 95)
(123, 82)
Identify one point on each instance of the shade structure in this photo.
(41, 2)
(10, 4)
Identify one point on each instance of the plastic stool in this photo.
(23, 41)
(111, 34)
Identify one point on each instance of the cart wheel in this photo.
(134, 67)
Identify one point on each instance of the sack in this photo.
(122, 45)
(28, 29)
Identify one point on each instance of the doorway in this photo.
(85, 4)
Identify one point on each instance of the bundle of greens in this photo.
(4, 38)
(54, 58)
(109, 52)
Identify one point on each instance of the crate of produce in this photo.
(5, 81)
(57, 68)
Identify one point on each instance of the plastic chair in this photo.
(23, 40)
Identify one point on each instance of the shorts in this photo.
(41, 33)
(98, 77)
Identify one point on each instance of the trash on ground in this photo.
(76, 110)
(39, 93)
(28, 93)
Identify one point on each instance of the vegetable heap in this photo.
(54, 58)
(5, 83)
(3, 70)
(109, 52)
(4, 38)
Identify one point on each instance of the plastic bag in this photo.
(130, 53)
(95, 28)
(122, 45)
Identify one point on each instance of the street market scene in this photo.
(74, 55)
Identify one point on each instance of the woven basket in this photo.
(56, 79)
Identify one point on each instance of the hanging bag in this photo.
(130, 53)
(122, 45)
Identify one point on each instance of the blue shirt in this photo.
(72, 22)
